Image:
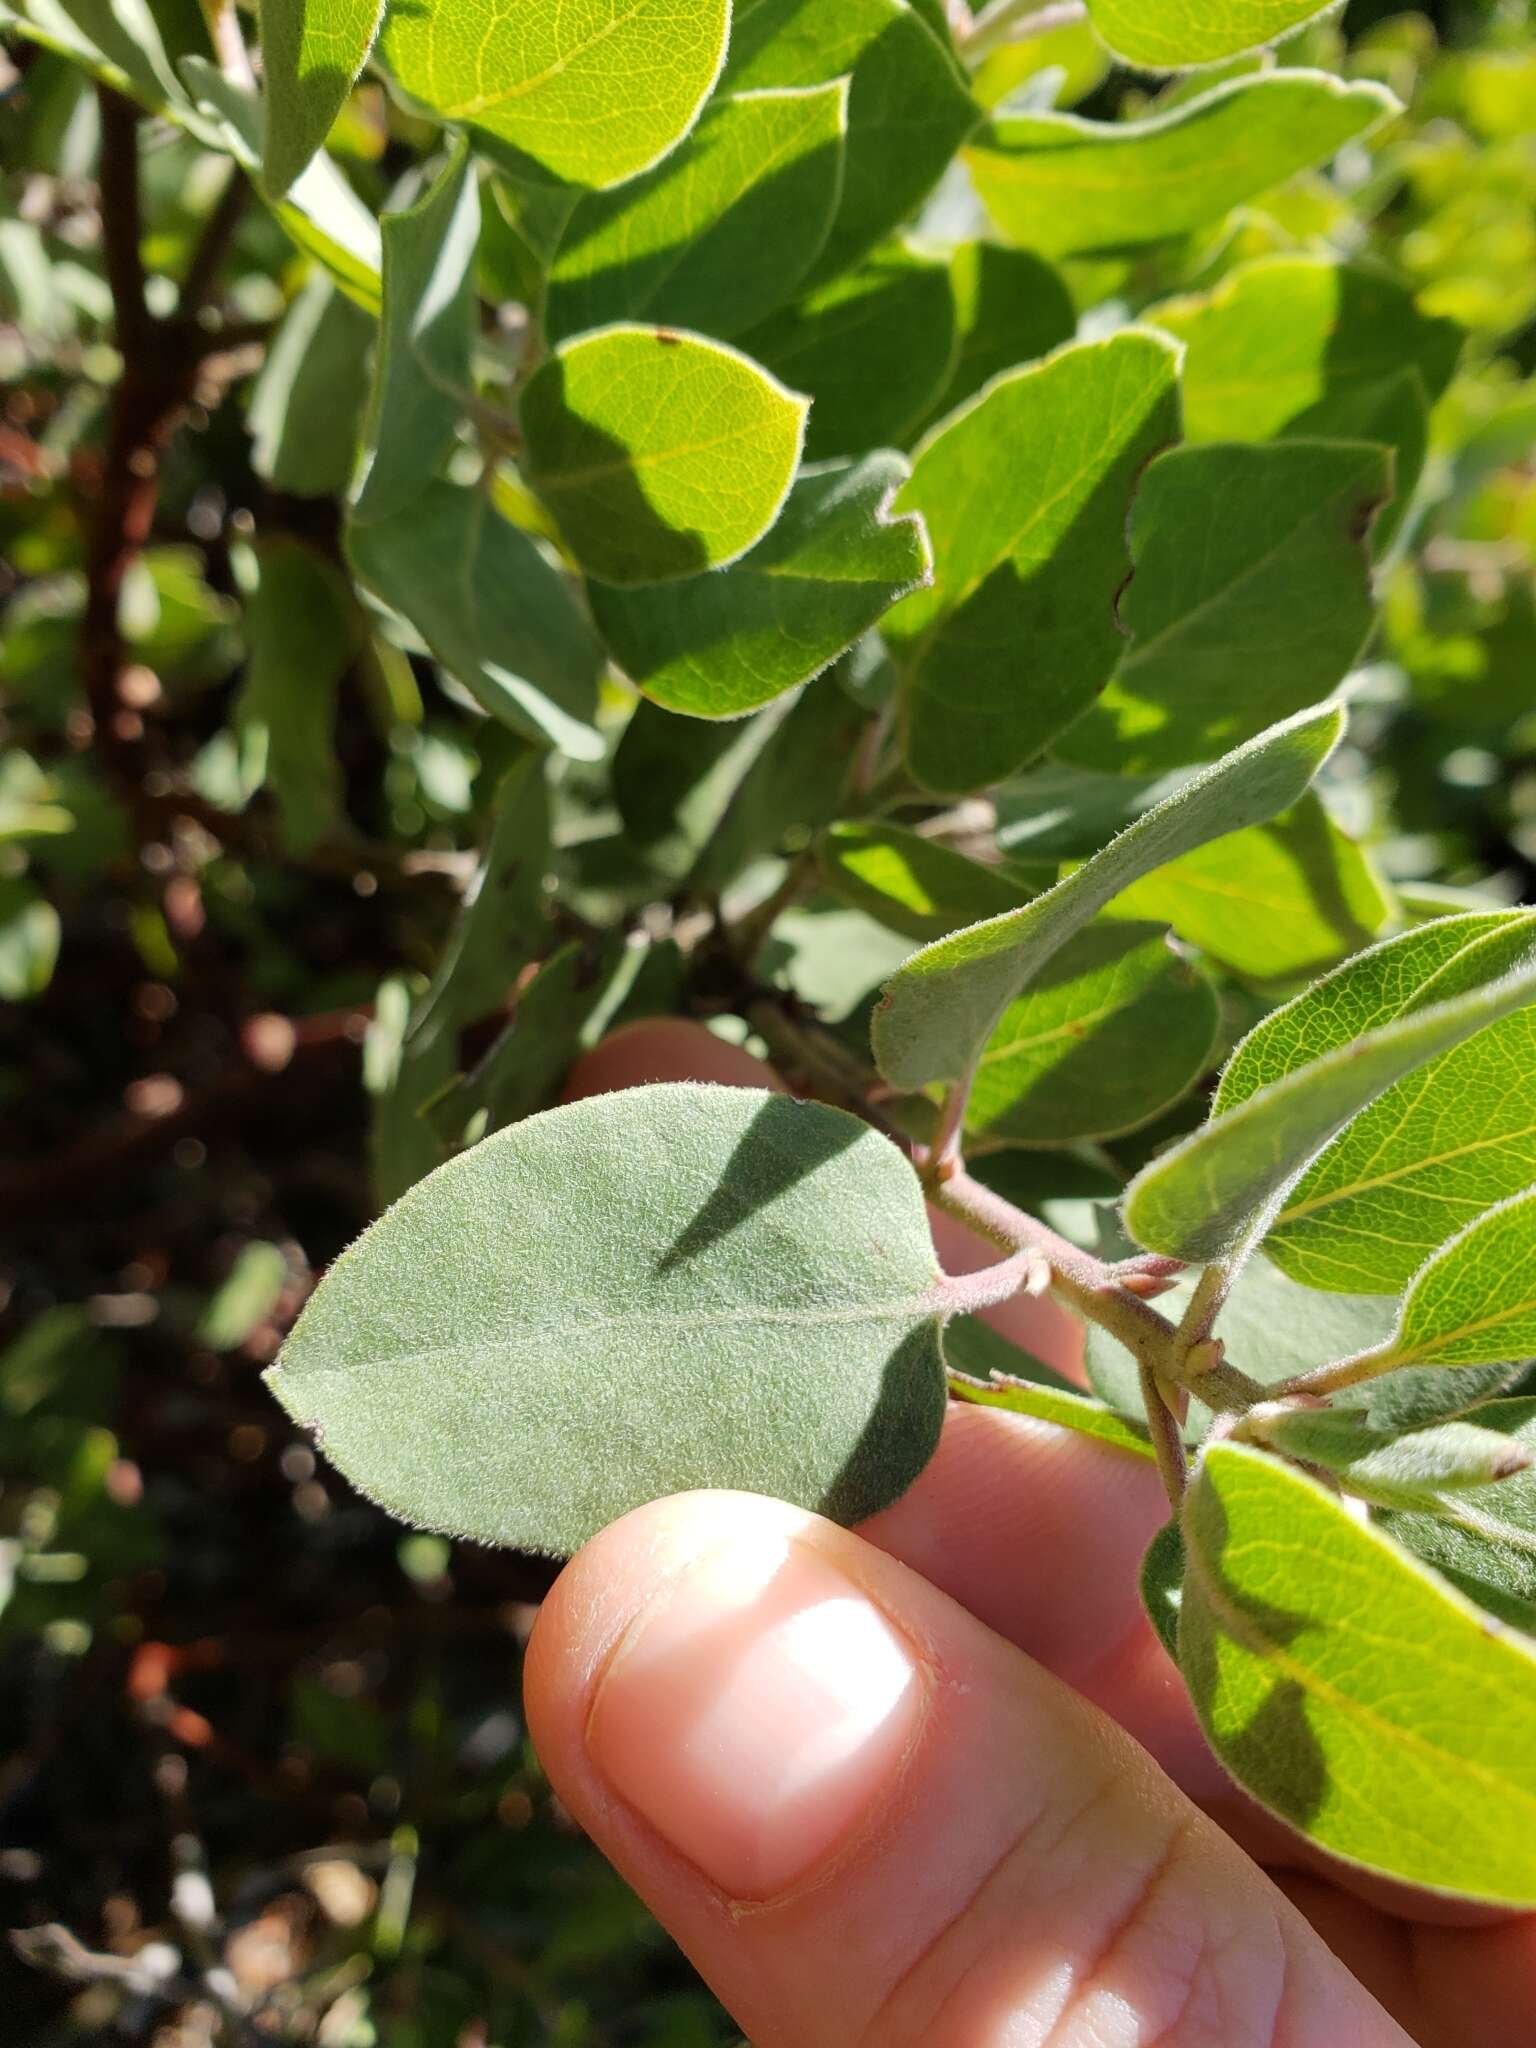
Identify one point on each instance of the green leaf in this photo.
(491, 609)
(595, 94)
(1010, 308)
(1474, 1301)
(1169, 35)
(301, 637)
(422, 380)
(974, 1352)
(760, 1310)
(1026, 492)
(1485, 1544)
(30, 933)
(1064, 186)
(909, 883)
(944, 1005)
(1056, 814)
(659, 454)
(307, 404)
(908, 109)
(1412, 1470)
(1350, 1690)
(1251, 562)
(311, 51)
(1434, 1152)
(248, 1296)
(1058, 1405)
(725, 642)
(1116, 1027)
(873, 348)
(1288, 344)
(319, 212)
(1162, 1585)
(1215, 1194)
(720, 232)
(117, 41)
(1277, 902)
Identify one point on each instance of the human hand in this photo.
(937, 1782)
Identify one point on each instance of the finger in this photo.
(870, 1820)
(677, 1049)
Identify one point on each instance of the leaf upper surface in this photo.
(659, 453)
(626, 1297)
(1062, 185)
(717, 234)
(1167, 35)
(942, 1007)
(312, 51)
(1353, 1692)
(723, 643)
(594, 90)
(1025, 492)
(1250, 562)
(1474, 1301)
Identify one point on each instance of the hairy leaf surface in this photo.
(311, 52)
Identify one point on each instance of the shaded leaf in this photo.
(1162, 1585)
(1250, 563)
(1276, 902)
(1116, 1026)
(247, 1297)
(1055, 813)
(301, 636)
(1474, 1301)
(725, 642)
(492, 610)
(720, 232)
(422, 380)
(307, 404)
(659, 454)
(873, 347)
(1026, 492)
(1485, 1544)
(30, 934)
(909, 883)
(1062, 185)
(594, 93)
(672, 1287)
(941, 1009)
(1411, 1470)
(1010, 308)
(1343, 1685)
(311, 51)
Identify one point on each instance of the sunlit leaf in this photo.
(311, 50)
(1166, 35)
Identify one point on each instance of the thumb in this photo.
(869, 1820)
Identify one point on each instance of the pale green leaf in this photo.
(1412, 1470)
(1062, 185)
(832, 958)
(725, 642)
(1026, 491)
(311, 51)
(594, 91)
(1251, 563)
(909, 883)
(320, 212)
(307, 404)
(1286, 344)
(1170, 35)
(1010, 308)
(874, 348)
(1115, 1028)
(1434, 1152)
(720, 232)
(119, 42)
(492, 610)
(301, 635)
(1474, 1301)
(659, 453)
(30, 932)
(422, 380)
(1351, 1691)
(1485, 1544)
(1058, 1405)
(1215, 1194)
(248, 1296)
(675, 1287)
(942, 1008)
(1275, 903)
(908, 109)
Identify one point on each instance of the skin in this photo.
(1018, 1836)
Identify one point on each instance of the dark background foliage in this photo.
(252, 1732)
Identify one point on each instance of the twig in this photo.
(1018, 21)
(1167, 1442)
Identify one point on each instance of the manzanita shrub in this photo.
(878, 510)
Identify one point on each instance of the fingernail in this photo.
(756, 1711)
